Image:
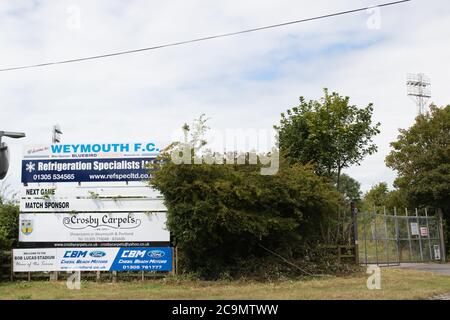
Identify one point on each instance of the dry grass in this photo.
(396, 284)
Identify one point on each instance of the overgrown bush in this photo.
(9, 213)
(224, 217)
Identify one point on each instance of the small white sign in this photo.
(25, 260)
(414, 229)
(437, 252)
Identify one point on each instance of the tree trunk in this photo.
(338, 182)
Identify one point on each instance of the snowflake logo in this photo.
(30, 167)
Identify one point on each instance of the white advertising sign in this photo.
(92, 259)
(25, 260)
(93, 227)
(92, 205)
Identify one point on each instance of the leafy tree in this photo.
(421, 157)
(376, 197)
(9, 213)
(330, 133)
(380, 196)
(349, 188)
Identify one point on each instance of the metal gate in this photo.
(399, 237)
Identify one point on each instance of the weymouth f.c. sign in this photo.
(87, 162)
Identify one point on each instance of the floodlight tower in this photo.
(419, 89)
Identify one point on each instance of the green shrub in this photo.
(9, 228)
(221, 216)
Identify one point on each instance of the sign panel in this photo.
(91, 205)
(423, 231)
(437, 252)
(90, 150)
(25, 260)
(86, 170)
(89, 191)
(414, 229)
(93, 259)
(94, 227)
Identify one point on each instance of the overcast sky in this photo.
(239, 82)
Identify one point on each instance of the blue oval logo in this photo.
(156, 254)
(97, 254)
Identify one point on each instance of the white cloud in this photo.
(244, 81)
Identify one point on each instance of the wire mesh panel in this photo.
(392, 238)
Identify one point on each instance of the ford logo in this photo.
(156, 254)
(97, 254)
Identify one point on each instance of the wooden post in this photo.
(114, 276)
(142, 275)
(54, 276)
(12, 266)
(173, 262)
(29, 276)
(441, 235)
(98, 276)
(176, 260)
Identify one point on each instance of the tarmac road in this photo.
(430, 267)
(443, 269)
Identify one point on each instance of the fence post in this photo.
(365, 236)
(397, 236)
(173, 262)
(441, 233)
(408, 227)
(54, 276)
(429, 235)
(420, 236)
(176, 260)
(354, 212)
(12, 265)
(386, 238)
(376, 234)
